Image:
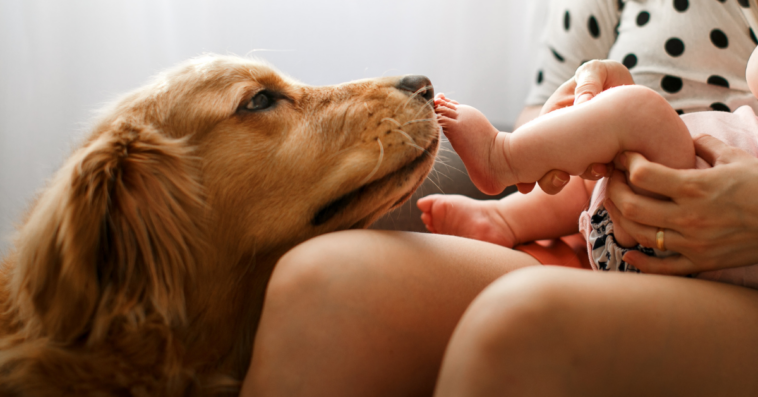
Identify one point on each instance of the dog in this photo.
(141, 268)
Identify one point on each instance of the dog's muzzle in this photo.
(417, 84)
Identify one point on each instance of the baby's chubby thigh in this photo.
(646, 123)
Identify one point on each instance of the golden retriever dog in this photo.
(141, 268)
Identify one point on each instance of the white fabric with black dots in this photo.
(692, 52)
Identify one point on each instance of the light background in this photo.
(61, 60)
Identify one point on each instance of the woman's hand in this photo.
(591, 79)
(711, 220)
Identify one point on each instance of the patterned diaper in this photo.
(606, 254)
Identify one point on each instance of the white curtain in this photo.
(62, 59)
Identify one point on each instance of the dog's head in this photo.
(283, 161)
(218, 154)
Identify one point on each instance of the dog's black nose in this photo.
(417, 84)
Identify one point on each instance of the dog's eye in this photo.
(261, 100)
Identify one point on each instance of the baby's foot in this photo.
(465, 217)
(480, 145)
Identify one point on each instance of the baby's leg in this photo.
(627, 118)
(630, 118)
(462, 216)
(472, 137)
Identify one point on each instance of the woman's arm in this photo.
(711, 220)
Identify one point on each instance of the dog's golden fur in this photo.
(141, 268)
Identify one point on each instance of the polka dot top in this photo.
(693, 52)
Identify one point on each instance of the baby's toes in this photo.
(444, 111)
(428, 222)
(448, 125)
(446, 104)
(425, 203)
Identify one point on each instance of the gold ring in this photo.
(659, 240)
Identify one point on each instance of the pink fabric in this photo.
(738, 129)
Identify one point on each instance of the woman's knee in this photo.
(511, 339)
(328, 269)
(530, 311)
(305, 270)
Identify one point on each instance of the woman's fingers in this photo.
(525, 188)
(561, 98)
(655, 177)
(638, 208)
(674, 265)
(644, 234)
(715, 151)
(554, 181)
(597, 171)
(551, 183)
(596, 76)
(589, 82)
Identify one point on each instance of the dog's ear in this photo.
(114, 235)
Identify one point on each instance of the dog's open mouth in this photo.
(329, 211)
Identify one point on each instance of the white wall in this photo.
(60, 60)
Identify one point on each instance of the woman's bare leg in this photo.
(560, 332)
(368, 313)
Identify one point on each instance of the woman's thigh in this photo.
(368, 312)
(554, 331)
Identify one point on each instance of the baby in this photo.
(623, 118)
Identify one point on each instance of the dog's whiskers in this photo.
(418, 92)
(392, 120)
(417, 121)
(429, 103)
(436, 185)
(378, 163)
(411, 141)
